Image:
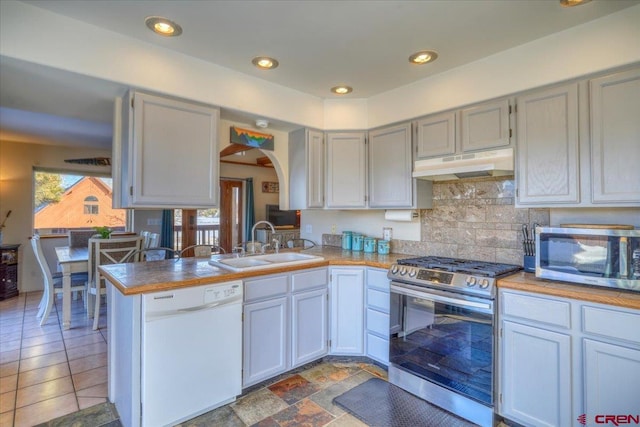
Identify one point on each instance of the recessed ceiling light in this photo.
(423, 57)
(264, 62)
(341, 90)
(571, 3)
(163, 26)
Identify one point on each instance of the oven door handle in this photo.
(433, 296)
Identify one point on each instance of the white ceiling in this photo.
(320, 44)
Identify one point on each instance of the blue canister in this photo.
(369, 245)
(357, 242)
(383, 247)
(346, 240)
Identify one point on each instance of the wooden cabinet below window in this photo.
(8, 271)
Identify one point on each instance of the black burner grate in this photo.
(478, 268)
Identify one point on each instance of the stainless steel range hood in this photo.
(472, 165)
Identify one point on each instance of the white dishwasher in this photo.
(191, 352)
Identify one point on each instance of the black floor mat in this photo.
(378, 403)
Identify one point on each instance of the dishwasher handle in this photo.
(161, 314)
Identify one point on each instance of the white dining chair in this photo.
(104, 252)
(145, 234)
(52, 283)
(154, 254)
(154, 240)
(201, 251)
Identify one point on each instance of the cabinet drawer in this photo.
(378, 299)
(265, 288)
(309, 280)
(378, 322)
(611, 323)
(378, 348)
(537, 309)
(378, 279)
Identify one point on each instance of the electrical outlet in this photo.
(308, 229)
(333, 229)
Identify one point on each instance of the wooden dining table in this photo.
(70, 260)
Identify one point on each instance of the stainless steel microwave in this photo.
(592, 256)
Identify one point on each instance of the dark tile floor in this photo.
(300, 399)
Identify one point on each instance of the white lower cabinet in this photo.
(309, 316)
(377, 315)
(560, 359)
(611, 377)
(536, 375)
(285, 323)
(347, 311)
(265, 328)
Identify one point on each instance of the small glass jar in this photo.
(369, 245)
(383, 247)
(346, 240)
(357, 242)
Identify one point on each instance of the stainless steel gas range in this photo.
(442, 345)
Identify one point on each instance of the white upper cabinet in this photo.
(615, 138)
(346, 170)
(306, 169)
(390, 164)
(478, 127)
(168, 153)
(579, 144)
(485, 126)
(436, 135)
(547, 140)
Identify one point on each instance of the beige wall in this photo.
(17, 161)
(279, 156)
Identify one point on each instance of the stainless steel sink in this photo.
(259, 262)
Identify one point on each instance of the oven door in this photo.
(444, 338)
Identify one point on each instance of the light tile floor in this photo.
(45, 371)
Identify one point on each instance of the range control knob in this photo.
(412, 272)
(484, 284)
(403, 271)
(471, 281)
(394, 269)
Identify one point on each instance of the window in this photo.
(64, 201)
(91, 205)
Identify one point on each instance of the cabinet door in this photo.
(308, 326)
(315, 169)
(436, 135)
(306, 169)
(547, 154)
(611, 379)
(485, 126)
(535, 375)
(615, 143)
(265, 340)
(175, 154)
(346, 170)
(347, 311)
(390, 166)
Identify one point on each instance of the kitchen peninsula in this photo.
(130, 284)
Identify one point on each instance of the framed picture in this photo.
(270, 187)
(251, 138)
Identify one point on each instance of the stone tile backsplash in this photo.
(472, 219)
